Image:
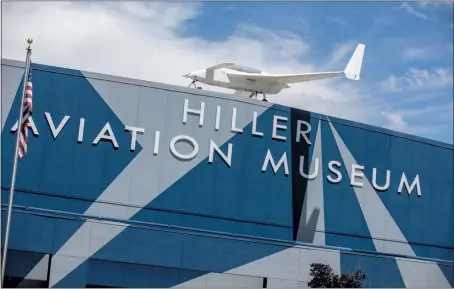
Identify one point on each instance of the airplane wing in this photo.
(352, 71)
(288, 78)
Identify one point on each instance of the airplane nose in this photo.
(187, 75)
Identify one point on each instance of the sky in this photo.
(406, 80)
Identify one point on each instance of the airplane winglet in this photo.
(353, 69)
(210, 70)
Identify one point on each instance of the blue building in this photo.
(129, 183)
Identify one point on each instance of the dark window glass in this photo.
(15, 282)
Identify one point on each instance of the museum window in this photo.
(27, 270)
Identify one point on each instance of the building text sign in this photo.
(271, 161)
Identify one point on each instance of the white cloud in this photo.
(418, 79)
(420, 53)
(145, 40)
(413, 120)
(411, 10)
(340, 52)
(428, 10)
(433, 4)
(395, 121)
(337, 21)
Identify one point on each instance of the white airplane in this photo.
(247, 80)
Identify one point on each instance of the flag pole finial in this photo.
(29, 41)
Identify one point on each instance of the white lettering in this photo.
(234, 128)
(134, 131)
(374, 180)
(56, 131)
(254, 126)
(156, 142)
(80, 135)
(269, 159)
(314, 174)
(356, 174)
(31, 125)
(276, 126)
(110, 137)
(331, 167)
(189, 140)
(227, 159)
(187, 110)
(218, 117)
(404, 180)
(303, 133)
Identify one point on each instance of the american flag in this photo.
(26, 113)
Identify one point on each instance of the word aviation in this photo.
(245, 80)
(273, 161)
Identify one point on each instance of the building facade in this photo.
(129, 183)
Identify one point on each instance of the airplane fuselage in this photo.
(227, 78)
(249, 79)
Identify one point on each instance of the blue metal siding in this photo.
(381, 272)
(247, 214)
(345, 225)
(65, 167)
(241, 193)
(423, 220)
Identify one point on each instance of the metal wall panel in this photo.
(83, 202)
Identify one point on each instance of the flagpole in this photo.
(13, 178)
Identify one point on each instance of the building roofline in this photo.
(176, 88)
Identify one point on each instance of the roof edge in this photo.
(171, 87)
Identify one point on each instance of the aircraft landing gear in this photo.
(255, 94)
(264, 97)
(193, 83)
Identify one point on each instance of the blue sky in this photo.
(406, 82)
(398, 35)
(386, 28)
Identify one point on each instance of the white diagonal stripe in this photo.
(378, 228)
(314, 198)
(139, 167)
